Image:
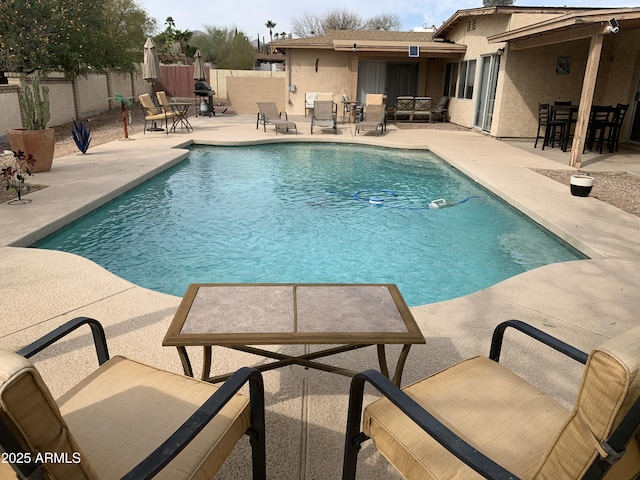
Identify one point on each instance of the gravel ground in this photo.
(618, 189)
(615, 188)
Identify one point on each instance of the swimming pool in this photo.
(310, 212)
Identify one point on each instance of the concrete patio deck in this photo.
(582, 302)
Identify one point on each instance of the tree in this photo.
(226, 48)
(75, 36)
(270, 25)
(124, 29)
(386, 21)
(182, 38)
(311, 24)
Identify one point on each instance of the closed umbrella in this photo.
(199, 72)
(151, 66)
(151, 70)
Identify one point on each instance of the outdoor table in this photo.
(239, 315)
(180, 111)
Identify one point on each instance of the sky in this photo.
(250, 16)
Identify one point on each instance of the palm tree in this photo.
(270, 25)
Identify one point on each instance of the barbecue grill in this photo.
(203, 89)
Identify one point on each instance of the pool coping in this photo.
(583, 302)
(78, 184)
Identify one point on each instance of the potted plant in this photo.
(15, 168)
(35, 137)
(581, 185)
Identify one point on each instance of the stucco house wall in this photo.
(319, 71)
(473, 33)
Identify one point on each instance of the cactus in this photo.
(34, 105)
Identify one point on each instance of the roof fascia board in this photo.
(581, 24)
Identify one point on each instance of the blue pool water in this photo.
(304, 213)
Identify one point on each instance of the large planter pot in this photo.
(581, 185)
(39, 143)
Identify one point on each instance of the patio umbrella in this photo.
(151, 66)
(199, 72)
(151, 69)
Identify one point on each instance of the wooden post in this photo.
(586, 99)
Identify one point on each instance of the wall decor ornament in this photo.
(563, 65)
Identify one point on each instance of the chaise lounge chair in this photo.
(324, 116)
(268, 113)
(125, 420)
(374, 119)
(478, 419)
(154, 114)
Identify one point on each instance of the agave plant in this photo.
(81, 135)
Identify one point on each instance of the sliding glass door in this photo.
(489, 67)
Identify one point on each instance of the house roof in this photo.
(374, 41)
(463, 15)
(572, 25)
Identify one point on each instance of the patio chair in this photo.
(268, 113)
(309, 101)
(600, 119)
(374, 118)
(551, 129)
(352, 110)
(616, 126)
(422, 108)
(324, 116)
(440, 110)
(404, 107)
(478, 419)
(125, 420)
(154, 114)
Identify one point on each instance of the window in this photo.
(450, 75)
(467, 77)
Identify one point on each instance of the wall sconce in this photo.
(500, 51)
(317, 61)
(355, 47)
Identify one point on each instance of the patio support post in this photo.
(586, 99)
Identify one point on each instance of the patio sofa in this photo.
(413, 108)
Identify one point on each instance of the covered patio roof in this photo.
(570, 26)
(375, 41)
(593, 24)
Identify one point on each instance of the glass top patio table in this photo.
(238, 315)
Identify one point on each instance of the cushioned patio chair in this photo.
(309, 101)
(324, 116)
(440, 110)
(154, 114)
(125, 420)
(404, 108)
(478, 419)
(374, 119)
(268, 113)
(422, 108)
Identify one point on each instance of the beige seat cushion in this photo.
(610, 385)
(501, 415)
(125, 410)
(159, 116)
(31, 412)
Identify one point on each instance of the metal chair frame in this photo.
(180, 439)
(354, 438)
